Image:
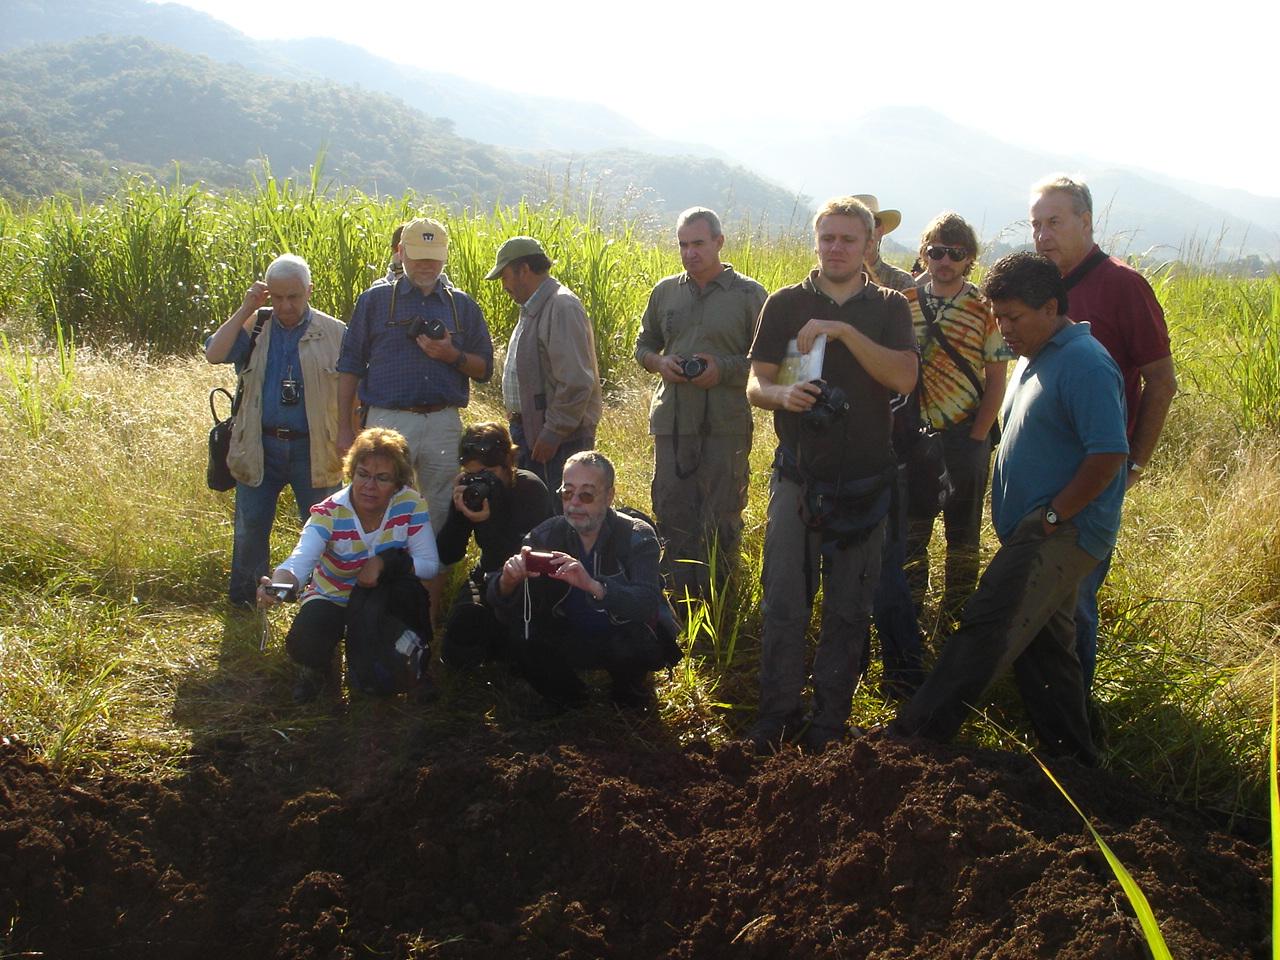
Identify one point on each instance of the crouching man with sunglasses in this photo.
(584, 593)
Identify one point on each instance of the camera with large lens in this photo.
(692, 367)
(289, 393)
(832, 404)
(433, 327)
(477, 488)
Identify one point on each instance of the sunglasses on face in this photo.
(477, 449)
(937, 251)
(585, 497)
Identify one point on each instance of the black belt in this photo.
(284, 433)
(425, 408)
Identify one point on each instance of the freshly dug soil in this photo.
(585, 839)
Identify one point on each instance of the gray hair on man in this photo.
(1076, 190)
(700, 213)
(289, 265)
(596, 460)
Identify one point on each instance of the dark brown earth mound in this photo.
(598, 846)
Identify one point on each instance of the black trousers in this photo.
(553, 653)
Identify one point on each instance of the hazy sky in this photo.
(1190, 92)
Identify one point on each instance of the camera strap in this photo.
(703, 430)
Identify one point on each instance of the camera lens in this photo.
(692, 367)
(288, 393)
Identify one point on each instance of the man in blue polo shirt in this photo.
(1055, 505)
(413, 347)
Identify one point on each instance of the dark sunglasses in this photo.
(477, 449)
(937, 251)
(585, 497)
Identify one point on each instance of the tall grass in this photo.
(114, 555)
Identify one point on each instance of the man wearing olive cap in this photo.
(886, 221)
(550, 378)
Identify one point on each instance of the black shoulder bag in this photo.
(217, 474)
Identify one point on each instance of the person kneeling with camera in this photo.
(499, 504)
(362, 557)
(584, 593)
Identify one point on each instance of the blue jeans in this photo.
(283, 462)
(1087, 619)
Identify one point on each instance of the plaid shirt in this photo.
(394, 372)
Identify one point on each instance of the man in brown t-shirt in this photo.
(830, 487)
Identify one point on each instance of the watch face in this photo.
(1051, 517)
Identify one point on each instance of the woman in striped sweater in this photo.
(372, 530)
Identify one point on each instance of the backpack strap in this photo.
(1081, 271)
(264, 314)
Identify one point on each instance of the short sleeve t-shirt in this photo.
(857, 445)
(948, 396)
(1121, 309)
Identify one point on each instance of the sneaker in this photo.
(309, 685)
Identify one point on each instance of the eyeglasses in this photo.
(585, 497)
(939, 250)
(482, 449)
(381, 479)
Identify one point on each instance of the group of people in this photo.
(854, 361)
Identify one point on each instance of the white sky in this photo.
(1187, 91)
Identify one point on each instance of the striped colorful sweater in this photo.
(333, 546)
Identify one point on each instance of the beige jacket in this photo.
(559, 380)
(318, 353)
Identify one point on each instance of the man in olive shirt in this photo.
(695, 334)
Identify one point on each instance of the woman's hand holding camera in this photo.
(273, 592)
(459, 502)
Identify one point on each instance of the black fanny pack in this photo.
(846, 511)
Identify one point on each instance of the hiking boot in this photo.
(309, 685)
(768, 734)
(633, 693)
(817, 739)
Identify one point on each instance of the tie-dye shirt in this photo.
(333, 546)
(948, 396)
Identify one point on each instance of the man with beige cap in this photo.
(887, 221)
(413, 347)
(550, 378)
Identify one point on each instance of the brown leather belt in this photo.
(427, 408)
(284, 433)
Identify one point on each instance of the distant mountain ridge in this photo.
(73, 115)
(914, 159)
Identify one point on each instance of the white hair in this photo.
(289, 265)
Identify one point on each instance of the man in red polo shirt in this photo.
(1124, 317)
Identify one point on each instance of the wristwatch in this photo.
(460, 361)
(1051, 516)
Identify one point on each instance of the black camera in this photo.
(832, 404)
(433, 327)
(477, 488)
(692, 367)
(289, 393)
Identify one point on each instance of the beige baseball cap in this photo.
(889, 219)
(425, 239)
